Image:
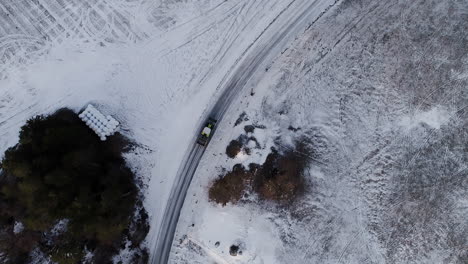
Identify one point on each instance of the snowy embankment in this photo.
(155, 67)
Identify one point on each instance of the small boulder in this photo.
(234, 250)
(233, 149)
(249, 129)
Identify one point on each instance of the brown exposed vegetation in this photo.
(233, 148)
(241, 143)
(278, 179)
(231, 187)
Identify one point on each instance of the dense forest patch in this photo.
(70, 192)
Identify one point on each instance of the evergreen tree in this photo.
(60, 169)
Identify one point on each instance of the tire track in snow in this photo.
(244, 68)
(54, 21)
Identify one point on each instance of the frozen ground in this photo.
(380, 88)
(154, 65)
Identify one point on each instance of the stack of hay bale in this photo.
(103, 126)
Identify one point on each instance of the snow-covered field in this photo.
(156, 66)
(379, 87)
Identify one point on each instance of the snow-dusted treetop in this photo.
(103, 126)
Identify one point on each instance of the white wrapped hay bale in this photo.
(102, 125)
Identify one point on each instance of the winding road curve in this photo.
(298, 15)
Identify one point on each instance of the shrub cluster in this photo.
(231, 187)
(278, 179)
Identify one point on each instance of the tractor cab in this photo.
(205, 134)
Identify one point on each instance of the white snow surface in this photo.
(156, 66)
(18, 227)
(379, 87)
(60, 227)
(434, 117)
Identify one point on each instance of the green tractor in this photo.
(207, 131)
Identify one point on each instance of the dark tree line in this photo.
(61, 170)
